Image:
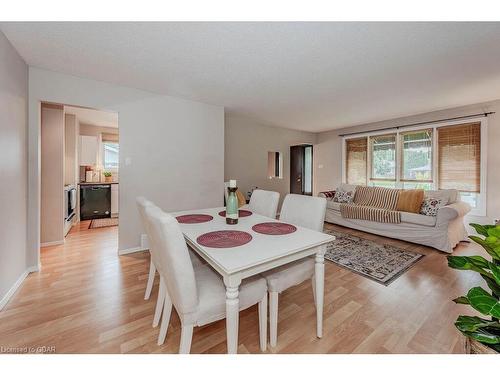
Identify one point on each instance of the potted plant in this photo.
(108, 177)
(482, 334)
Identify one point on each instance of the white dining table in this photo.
(264, 252)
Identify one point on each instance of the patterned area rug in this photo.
(101, 223)
(381, 263)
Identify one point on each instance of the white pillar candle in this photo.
(232, 183)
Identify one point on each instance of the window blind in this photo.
(356, 164)
(459, 157)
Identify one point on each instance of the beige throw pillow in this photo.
(410, 200)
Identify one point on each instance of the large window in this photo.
(416, 159)
(383, 160)
(445, 156)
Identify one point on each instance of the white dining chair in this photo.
(197, 293)
(264, 202)
(307, 212)
(142, 203)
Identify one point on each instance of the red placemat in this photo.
(224, 238)
(273, 228)
(241, 213)
(194, 218)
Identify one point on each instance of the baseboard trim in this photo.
(131, 250)
(53, 243)
(6, 298)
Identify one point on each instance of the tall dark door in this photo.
(301, 169)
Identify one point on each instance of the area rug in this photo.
(101, 223)
(381, 263)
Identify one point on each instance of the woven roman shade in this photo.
(459, 157)
(356, 163)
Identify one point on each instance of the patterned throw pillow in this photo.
(430, 206)
(343, 196)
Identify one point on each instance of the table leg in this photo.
(232, 316)
(319, 280)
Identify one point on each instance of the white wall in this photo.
(329, 151)
(13, 167)
(174, 148)
(247, 143)
(52, 175)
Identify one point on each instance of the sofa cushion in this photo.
(448, 196)
(333, 205)
(410, 200)
(408, 217)
(347, 187)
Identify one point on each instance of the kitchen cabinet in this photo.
(114, 200)
(88, 150)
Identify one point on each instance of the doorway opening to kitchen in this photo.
(79, 173)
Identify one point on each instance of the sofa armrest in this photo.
(452, 211)
(327, 194)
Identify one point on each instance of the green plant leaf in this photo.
(492, 284)
(493, 250)
(483, 302)
(483, 336)
(462, 300)
(472, 263)
(473, 323)
(495, 231)
(495, 270)
(482, 229)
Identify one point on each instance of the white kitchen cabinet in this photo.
(88, 150)
(114, 200)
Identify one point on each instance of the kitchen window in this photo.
(444, 156)
(111, 151)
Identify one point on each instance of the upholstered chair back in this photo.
(175, 263)
(264, 202)
(142, 203)
(304, 211)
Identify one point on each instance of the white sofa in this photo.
(442, 232)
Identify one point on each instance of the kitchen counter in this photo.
(98, 183)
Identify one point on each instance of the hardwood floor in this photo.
(87, 299)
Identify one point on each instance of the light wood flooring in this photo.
(87, 299)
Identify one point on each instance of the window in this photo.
(110, 155)
(383, 160)
(444, 156)
(416, 159)
(459, 158)
(356, 160)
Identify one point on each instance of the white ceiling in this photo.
(309, 76)
(93, 117)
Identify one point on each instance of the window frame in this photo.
(480, 210)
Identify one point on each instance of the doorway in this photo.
(79, 171)
(301, 166)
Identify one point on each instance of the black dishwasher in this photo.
(95, 201)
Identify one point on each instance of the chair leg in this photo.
(151, 279)
(165, 319)
(263, 323)
(186, 336)
(273, 318)
(159, 302)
